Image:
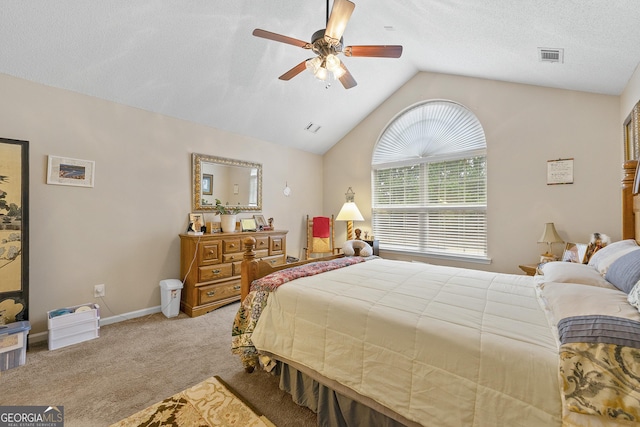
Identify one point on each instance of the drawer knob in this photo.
(236, 288)
(216, 271)
(232, 245)
(273, 261)
(210, 252)
(211, 293)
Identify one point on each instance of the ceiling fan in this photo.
(327, 44)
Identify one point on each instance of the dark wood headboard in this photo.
(630, 202)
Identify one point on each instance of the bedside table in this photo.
(530, 269)
(375, 245)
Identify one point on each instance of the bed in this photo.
(380, 342)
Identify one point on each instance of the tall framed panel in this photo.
(632, 134)
(14, 230)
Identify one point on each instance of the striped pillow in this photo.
(606, 256)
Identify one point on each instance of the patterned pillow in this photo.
(603, 258)
(624, 273)
(634, 296)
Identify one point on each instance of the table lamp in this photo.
(349, 213)
(549, 236)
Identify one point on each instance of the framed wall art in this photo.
(67, 171)
(207, 184)
(14, 230)
(560, 171)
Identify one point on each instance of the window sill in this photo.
(464, 258)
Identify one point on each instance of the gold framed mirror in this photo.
(234, 182)
(631, 134)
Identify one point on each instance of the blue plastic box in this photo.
(13, 344)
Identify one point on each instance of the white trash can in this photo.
(170, 296)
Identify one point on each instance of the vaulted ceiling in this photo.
(197, 60)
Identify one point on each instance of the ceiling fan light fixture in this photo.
(333, 63)
(338, 72)
(327, 43)
(313, 64)
(321, 73)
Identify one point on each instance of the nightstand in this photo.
(374, 244)
(530, 269)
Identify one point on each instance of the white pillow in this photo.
(571, 272)
(349, 245)
(634, 296)
(604, 257)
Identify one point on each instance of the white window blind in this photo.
(437, 202)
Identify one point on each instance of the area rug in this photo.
(209, 403)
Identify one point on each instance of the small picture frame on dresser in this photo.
(248, 224)
(196, 223)
(574, 252)
(261, 223)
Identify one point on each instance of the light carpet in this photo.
(209, 403)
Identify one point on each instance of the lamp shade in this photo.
(550, 235)
(349, 212)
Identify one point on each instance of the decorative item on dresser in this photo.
(210, 266)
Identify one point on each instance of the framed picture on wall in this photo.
(67, 171)
(14, 230)
(207, 184)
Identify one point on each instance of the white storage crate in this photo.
(72, 325)
(13, 344)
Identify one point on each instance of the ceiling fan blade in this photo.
(392, 51)
(280, 38)
(340, 14)
(347, 79)
(294, 71)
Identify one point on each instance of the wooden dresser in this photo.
(211, 264)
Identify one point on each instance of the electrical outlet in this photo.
(98, 291)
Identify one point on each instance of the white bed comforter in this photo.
(441, 346)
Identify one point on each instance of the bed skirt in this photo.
(334, 404)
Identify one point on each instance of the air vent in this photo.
(550, 55)
(312, 127)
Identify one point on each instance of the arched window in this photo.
(429, 182)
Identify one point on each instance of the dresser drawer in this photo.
(232, 245)
(262, 243)
(219, 292)
(262, 253)
(215, 272)
(232, 257)
(276, 245)
(211, 253)
(274, 260)
(237, 268)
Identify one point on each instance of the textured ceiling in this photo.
(198, 61)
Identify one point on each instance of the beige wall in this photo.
(124, 231)
(525, 126)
